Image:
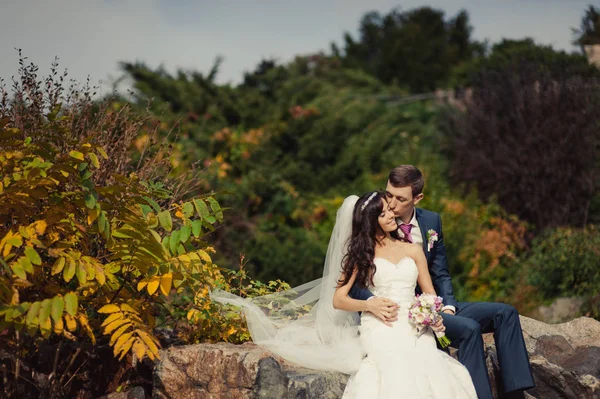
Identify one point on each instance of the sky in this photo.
(90, 37)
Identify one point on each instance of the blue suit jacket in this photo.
(436, 260)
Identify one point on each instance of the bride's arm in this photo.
(382, 308)
(424, 278)
(424, 281)
(342, 301)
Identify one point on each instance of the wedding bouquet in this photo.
(425, 312)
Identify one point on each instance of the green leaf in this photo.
(106, 229)
(87, 183)
(15, 241)
(90, 200)
(201, 208)
(58, 305)
(18, 270)
(121, 233)
(196, 228)
(152, 220)
(77, 155)
(25, 264)
(58, 266)
(90, 271)
(188, 209)
(145, 209)
(174, 241)
(32, 319)
(165, 242)
(81, 273)
(153, 204)
(214, 205)
(210, 219)
(54, 113)
(102, 222)
(155, 235)
(69, 270)
(94, 159)
(46, 328)
(184, 233)
(20, 310)
(45, 310)
(102, 152)
(208, 225)
(71, 303)
(33, 256)
(165, 220)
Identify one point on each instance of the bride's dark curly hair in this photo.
(361, 246)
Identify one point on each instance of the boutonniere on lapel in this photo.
(432, 236)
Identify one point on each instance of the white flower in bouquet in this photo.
(426, 312)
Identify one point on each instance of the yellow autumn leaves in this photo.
(128, 332)
(72, 263)
(82, 258)
(152, 284)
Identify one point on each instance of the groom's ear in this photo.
(418, 198)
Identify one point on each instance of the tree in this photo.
(589, 29)
(529, 133)
(414, 49)
(509, 52)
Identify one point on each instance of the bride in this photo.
(317, 324)
(399, 362)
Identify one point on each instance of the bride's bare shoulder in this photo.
(407, 246)
(413, 250)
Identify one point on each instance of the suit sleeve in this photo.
(440, 275)
(357, 292)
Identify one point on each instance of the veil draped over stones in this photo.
(300, 324)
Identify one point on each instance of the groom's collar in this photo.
(413, 219)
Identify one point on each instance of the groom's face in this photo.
(401, 201)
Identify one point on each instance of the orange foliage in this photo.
(502, 239)
(298, 112)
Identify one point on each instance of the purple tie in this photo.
(406, 230)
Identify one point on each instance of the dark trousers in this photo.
(464, 330)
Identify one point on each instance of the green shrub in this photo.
(93, 243)
(564, 262)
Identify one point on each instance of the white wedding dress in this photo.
(400, 363)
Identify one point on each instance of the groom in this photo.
(464, 321)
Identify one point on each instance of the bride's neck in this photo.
(383, 238)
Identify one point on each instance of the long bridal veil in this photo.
(300, 324)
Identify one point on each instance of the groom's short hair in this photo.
(407, 175)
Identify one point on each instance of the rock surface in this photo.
(226, 371)
(561, 310)
(565, 360)
(133, 393)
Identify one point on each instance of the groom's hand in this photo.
(384, 309)
(449, 311)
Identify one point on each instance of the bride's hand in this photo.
(384, 309)
(439, 326)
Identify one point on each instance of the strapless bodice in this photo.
(395, 281)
